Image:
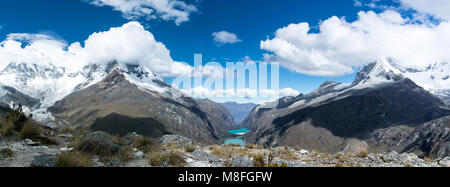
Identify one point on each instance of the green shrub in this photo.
(6, 153)
(258, 161)
(73, 159)
(172, 159)
(6, 128)
(145, 144)
(30, 130)
(362, 154)
(189, 149)
(125, 154)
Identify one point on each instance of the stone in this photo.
(242, 161)
(180, 140)
(113, 163)
(65, 149)
(139, 154)
(445, 162)
(99, 141)
(44, 160)
(204, 156)
(66, 135)
(31, 142)
(304, 152)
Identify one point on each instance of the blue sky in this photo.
(252, 21)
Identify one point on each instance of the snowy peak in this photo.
(49, 83)
(435, 77)
(378, 72)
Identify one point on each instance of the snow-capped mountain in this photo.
(49, 83)
(380, 100)
(435, 78)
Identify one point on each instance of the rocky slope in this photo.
(338, 116)
(118, 106)
(22, 154)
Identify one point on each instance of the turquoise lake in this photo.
(239, 133)
(235, 141)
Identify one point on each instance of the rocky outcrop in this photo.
(431, 139)
(44, 160)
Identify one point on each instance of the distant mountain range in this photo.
(380, 101)
(239, 111)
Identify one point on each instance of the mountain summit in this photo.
(338, 115)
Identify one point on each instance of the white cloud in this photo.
(436, 8)
(224, 37)
(244, 95)
(130, 43)
(175, 10)
(341, 45)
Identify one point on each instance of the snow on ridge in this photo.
(50, 84)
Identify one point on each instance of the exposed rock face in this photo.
(118, 106)
(328, 117)
(44, 160)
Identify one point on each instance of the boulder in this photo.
(242, 161)
(180, 140)
(44, 160)
(99, 143)
(445, 162)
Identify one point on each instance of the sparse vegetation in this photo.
(6, 128)
(258, 161)
(167, 159)
(362, 154)
(125, 154)
(428, 159)
(73, 159)
(189, 149)
(17, 117)
(93, 147)
(30, 130)
(253, 146)
(145, 144)
(6, 153)
(64, 130)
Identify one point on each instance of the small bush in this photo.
(6, 153)
(189, 149)
(362, 154)
(284, 165)
(93, 147)
(253, 146)
(30, 130)
(428, 159)
(73, 159)
(172, 159)
(258, 161)
(145, 144)
(64, 130)
(6, 128)
(125, 154)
